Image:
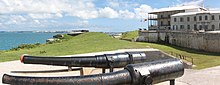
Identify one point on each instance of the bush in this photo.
(59, 36)
(54, 41)
(25, 46)
(28, 46)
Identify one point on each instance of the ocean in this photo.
(9, 40)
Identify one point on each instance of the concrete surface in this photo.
(209, 76)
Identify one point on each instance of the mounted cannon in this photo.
(99, 61)
(145, 73)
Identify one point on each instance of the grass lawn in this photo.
(130, 35)
(95, 42)
(85, 43)
(201, 59)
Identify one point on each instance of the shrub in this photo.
(59, 36)
(25, 46)
(54, 41)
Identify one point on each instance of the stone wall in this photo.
(201, 41)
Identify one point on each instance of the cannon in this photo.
(99, 61)
(145, 73)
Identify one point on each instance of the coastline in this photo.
(15, 38)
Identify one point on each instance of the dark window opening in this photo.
(219, 17)
(188, 18)
(206, 27)
(181, 26)
(188, 27)
(195, 18)
(181, 19)
(213, 17)
(200, 18)
(200, 27)
(213, 27)
(195, 27)
(206, 17)
(174, 19)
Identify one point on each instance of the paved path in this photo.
(209, 76)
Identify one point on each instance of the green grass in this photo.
(130, 35)
(85, 43)
(201, 59)
(95, 42)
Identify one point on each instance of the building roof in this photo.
(175, 9)
(194, 13)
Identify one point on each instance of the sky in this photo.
(94, 15)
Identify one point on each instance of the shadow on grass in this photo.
(191, 50)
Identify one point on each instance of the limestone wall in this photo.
(200, 41)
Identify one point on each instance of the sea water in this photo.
(10, 40)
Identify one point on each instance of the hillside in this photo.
(130, 35)
(201, 59)
(85, 43)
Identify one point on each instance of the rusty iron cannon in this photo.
(111, 61)
(145, 73)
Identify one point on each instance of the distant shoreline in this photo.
(13, 39)
(36, 31)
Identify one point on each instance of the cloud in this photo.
(125, 14)
(78, 8)
(45, 15)
(122, 4)
(142, 11)
(191, 2)
(108, 12)
(21, 14)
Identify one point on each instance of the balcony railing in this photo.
(157, 18)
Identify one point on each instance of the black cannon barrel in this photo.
(99, 61)
(114, 78)
(156, 71)
(134, 74)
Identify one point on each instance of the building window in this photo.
(200, 27)
(213, 27)
(194, 18)
(181, 19)
(195, 27)
(181, 26)
(219, 17)
(200, 18)
(206, 27)
(206, 17)
(219, 26)
(188, 19)
(168, 16)
(188, 27)
(161, 16)
(174, 19)
(169, 23)
(173, 27)
(161, 23)
(177, 27)
(213, 17)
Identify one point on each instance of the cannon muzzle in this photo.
(146, 73)
(99, 61)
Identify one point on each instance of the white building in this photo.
(196, 21)
(161, 19)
